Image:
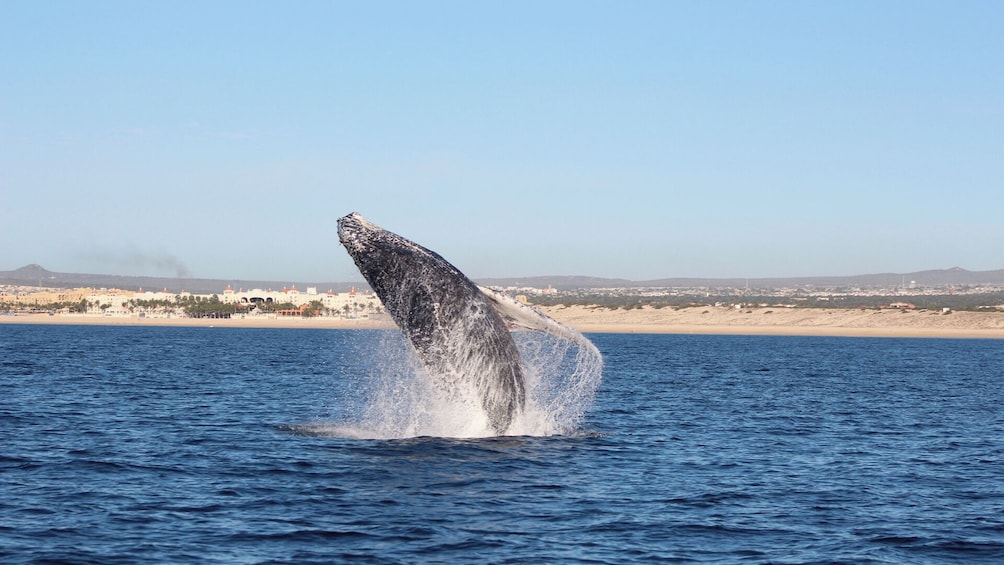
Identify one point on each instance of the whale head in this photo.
(356, 232)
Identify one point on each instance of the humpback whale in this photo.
(453, 325)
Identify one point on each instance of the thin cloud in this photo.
(234, 135)
(137, 132)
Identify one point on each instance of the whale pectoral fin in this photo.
(517, 314)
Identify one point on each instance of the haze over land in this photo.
(36, 275)
(642, 140)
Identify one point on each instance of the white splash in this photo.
(402, 400)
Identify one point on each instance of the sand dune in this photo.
(784, 321)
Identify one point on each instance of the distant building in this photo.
(349, 303)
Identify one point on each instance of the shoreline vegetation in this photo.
(840, 322)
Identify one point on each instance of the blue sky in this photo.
(616, 139)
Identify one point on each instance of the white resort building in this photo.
(144, 303)
(348, 304)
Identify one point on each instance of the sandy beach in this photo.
(697, 320)
(247, 322)
(784, 321)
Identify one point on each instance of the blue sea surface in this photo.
(187, 445)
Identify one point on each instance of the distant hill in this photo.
(36, 275)
(559, 282)
(939, 277)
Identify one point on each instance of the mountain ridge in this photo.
(36, 275)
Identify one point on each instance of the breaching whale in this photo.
(458, 329)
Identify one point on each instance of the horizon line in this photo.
(516, 278)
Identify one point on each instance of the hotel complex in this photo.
(254, 302)
(347, 304)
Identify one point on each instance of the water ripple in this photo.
(128, 445)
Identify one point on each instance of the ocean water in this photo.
(213, 445)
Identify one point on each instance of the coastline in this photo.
(251, 322)
(586, 319)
